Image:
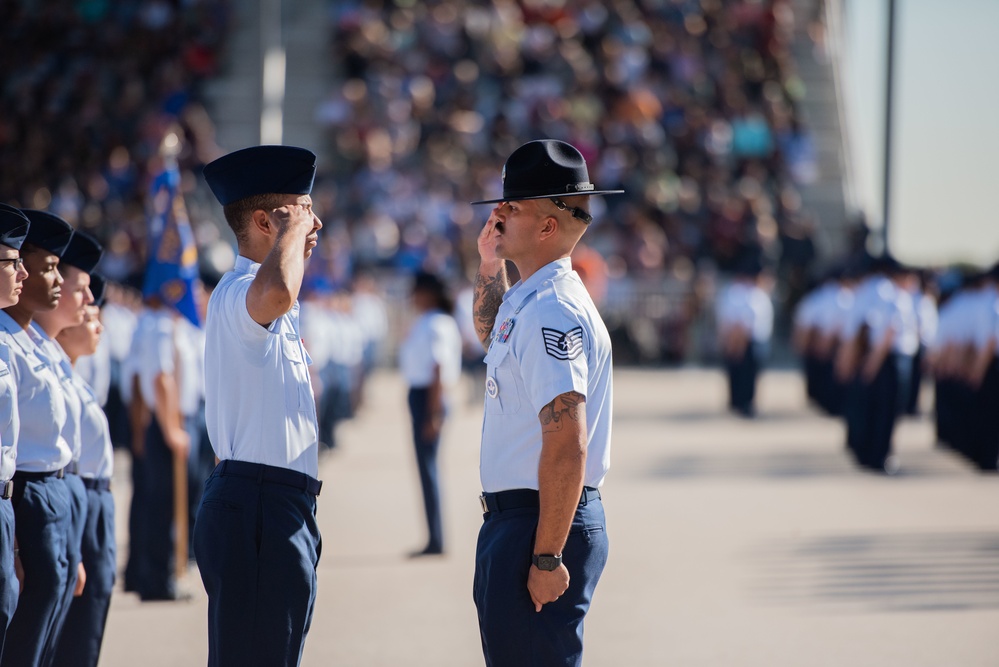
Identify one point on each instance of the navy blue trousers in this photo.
(426, 463)
(886, 396)
(78, 521)
(742, 374)
(915, 382)
(513, 634)
(43, 528)
(257, 545)
(983, 448)
(83, 632)
(155, 547)
(136, 525)
(856, 413)
(8, 579)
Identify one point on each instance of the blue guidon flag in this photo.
(563, 345)
(172, 268)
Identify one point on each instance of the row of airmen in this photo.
(869, 335)
(57, 547)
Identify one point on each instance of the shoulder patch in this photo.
(563, 345)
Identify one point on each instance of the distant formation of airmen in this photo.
(871, 333)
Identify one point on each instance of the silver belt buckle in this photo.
(485, 507)
(8, 490)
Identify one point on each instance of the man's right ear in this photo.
(261, 221)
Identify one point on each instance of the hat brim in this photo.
(555, 195)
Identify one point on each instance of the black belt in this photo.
(265, 473)
(95, 484)
(21, 476)
(520, 498)
(8, 490)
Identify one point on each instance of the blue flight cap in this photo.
(13, 226)
(83, 252)
(97, 286)
(261, 170)
(48, 231)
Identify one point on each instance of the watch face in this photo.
(548, 563)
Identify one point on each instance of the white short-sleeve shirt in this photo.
(548, 340)
(259, 404)
(96, 452)
(433, 341)
(95, 369)
(152, 352)
(41, 406)
(9, 421)
(746, 306)
(64, 371)
(190, 343)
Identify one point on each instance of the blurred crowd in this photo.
(692, 107)
(89, 90)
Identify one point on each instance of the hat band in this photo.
(569, 189)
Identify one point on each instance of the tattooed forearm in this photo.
(565, 407)
(487, 296)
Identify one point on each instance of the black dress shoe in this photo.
(181, 595)
(427, 551)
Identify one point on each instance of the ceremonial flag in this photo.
(173, 257)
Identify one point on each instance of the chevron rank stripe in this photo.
(563, 345)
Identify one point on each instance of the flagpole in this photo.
(169, 149)
(273, 71)
(889, 99)
(180, 513)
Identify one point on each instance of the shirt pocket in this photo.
(502, 392)
(297, 386)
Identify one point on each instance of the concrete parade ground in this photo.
(734, 543)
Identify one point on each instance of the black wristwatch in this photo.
(546, 562)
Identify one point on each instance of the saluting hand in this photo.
(489, 236)
(298, 219)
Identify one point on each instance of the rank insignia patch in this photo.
(563, 345)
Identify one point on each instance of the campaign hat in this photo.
(48, 231)
(83, 252)
(545, 169)
(13, 226)
(261, 170)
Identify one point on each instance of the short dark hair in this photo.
(238, 213)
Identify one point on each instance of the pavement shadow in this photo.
(864, 572)
(622, 415)
(797, 464)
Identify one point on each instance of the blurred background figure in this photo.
(430, 362)
(877, 360)
(369, 311)
(924, 298)
(745, 325)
